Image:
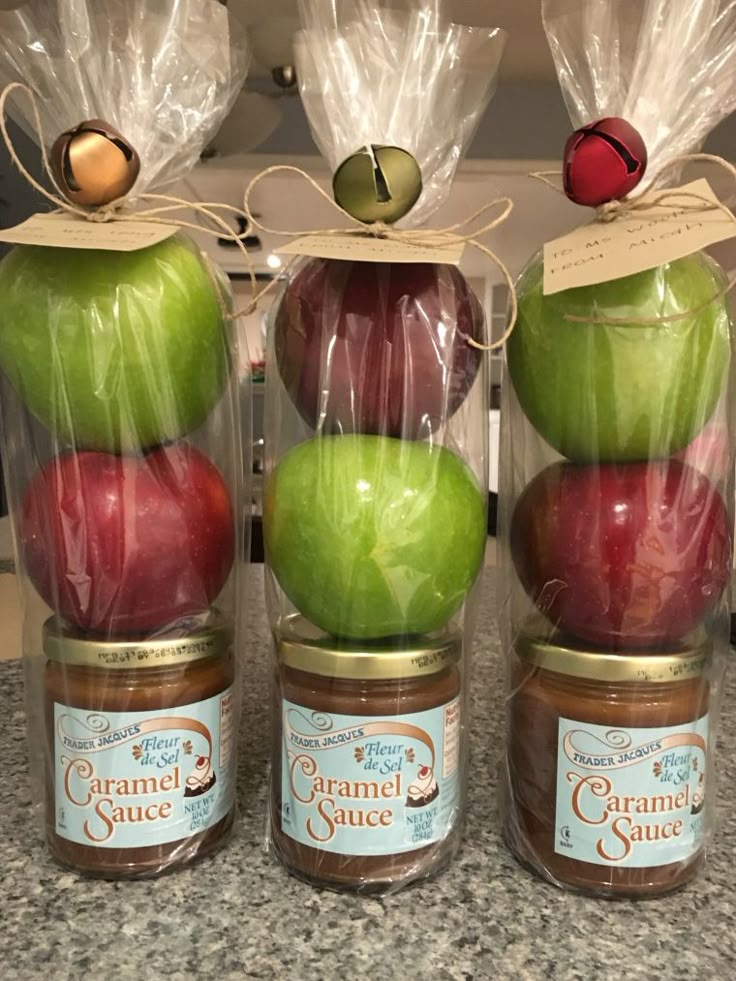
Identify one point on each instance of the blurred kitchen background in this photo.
(523, 130)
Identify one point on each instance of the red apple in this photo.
(622, 555)
(378, 348)
(128, 544)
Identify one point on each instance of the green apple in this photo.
(113, 350)
(622, 391)
(371, 536)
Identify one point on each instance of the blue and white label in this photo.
(366, 785)
(633, 798)
(135, 779)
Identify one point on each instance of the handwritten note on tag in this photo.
(365, 248)
(641, 240)
(62, 231)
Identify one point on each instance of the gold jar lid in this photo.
(329, 658)
(67, 647)
(563, 655)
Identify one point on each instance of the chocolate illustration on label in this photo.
(424, 790)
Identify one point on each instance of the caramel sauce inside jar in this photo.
(149, 689)
(384, 698)
(539, 698)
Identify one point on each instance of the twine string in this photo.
(168, 205)
(419, 238)
(683, 201)
(656, 321)
(543, 176)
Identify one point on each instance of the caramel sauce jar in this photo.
(366, 783)
(141, 750)
(607, 760)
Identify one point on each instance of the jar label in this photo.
(135, 779)
(633, 798)
(358, 785)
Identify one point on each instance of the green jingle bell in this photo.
(378, 183)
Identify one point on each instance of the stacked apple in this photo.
(127, 529)
(372, 528)
(622, 545)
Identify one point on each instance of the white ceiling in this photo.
(527, 57)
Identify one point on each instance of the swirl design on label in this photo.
(318, 720)
(94, 722)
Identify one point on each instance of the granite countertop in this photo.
(240, 915)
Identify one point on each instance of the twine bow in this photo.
(411, 237)
(113, 212)
(683, 201)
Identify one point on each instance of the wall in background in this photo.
(18, 200)
(525, 121)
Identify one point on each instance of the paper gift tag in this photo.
(63, 231)
(367, 248)
(641, 240)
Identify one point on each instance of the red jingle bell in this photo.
(604, 161)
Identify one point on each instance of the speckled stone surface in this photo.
(239, 915)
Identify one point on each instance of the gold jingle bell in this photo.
(94, 164)
(378, 183)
